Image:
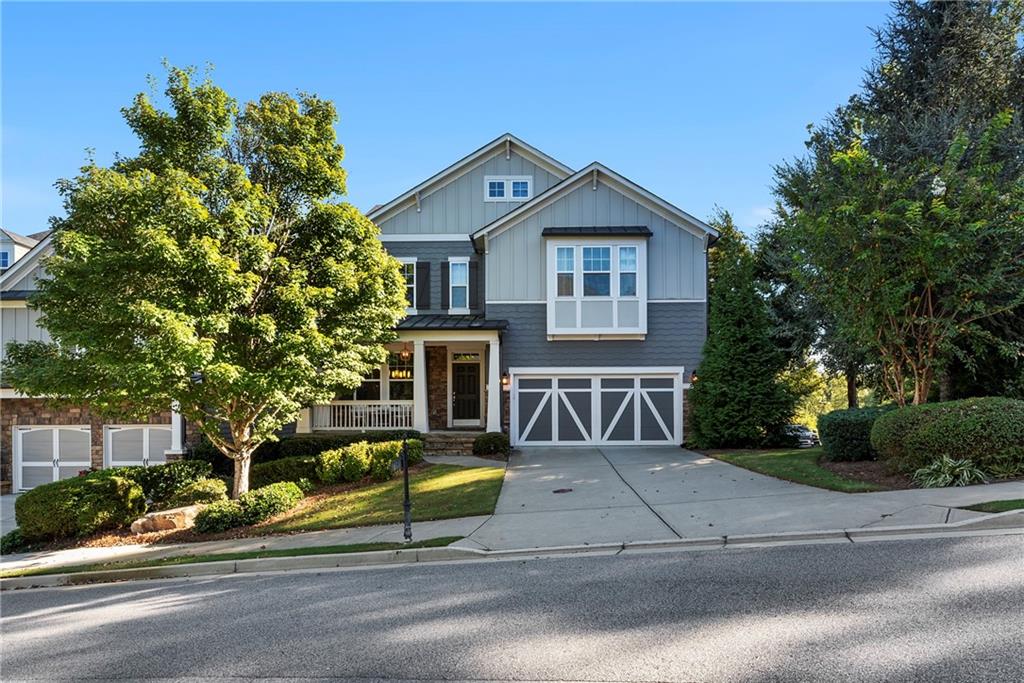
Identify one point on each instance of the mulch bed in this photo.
(871, 471)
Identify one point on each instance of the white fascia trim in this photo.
(598, 336)
(8, 392)
(422, 237)
(676, 301)
(503, 144)
(516, 301)
(448, 335)
(14, 272)
(599, 370)
(613, 180)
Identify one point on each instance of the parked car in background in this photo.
(805, 436)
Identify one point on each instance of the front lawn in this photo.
(998, 506)
(217, 557)
(799, 466)
(437, 492)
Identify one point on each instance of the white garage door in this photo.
(46, 454)
(144, 445)
(602, 407)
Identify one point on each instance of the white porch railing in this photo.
(358, 415)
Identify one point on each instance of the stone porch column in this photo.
(493, 387)
(420, 422)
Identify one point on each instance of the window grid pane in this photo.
(597, 284)
(459, 297)
(627, 259)
(460, 273)
(597, 259)
(520, 188)
(496, 188)
(566, 257)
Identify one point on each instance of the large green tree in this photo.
(215, 270)
(739, 398)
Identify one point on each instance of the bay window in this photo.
(596, 288)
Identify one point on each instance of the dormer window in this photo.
(5, 260)
(508, 188)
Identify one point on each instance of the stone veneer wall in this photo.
(437, 386)
(34, 411)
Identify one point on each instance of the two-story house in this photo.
(565, 307)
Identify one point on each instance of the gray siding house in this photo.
(566, 307)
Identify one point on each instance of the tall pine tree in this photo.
(738, 399)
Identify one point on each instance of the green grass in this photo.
(800, 466)
(216, 557)
(998, 506)
(438, 492)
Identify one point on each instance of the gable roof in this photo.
(23, 265)
(20, 240)
(591, 174)
(507, 142)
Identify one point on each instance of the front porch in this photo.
(435, 380)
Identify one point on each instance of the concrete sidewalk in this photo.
(590, 496)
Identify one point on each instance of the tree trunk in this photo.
(242, 464)
(851, 386)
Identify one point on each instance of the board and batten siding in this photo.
(675, 337)
(19, 323)
(459, 206)
(435, 253)
(27, 280)
(516, 258)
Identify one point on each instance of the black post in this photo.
(406, 504)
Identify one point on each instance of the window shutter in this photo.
(445, 284)
(474, 281)
(423, 285)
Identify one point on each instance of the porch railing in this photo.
(356, 415)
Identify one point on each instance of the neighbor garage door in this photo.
(46, 454)
(135, 445)
(605, 407)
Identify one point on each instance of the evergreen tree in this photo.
(738, 398)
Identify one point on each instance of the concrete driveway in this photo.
(565, 496)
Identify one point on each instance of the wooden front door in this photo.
(465, 392)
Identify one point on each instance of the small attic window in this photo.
(514, 188)
(495, 189)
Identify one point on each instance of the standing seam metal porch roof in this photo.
(450, 322)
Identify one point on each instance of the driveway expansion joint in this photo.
(637, 494)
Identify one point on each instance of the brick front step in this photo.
(449, 443)
(5, 487)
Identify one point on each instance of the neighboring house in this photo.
(565, 307)
(13, 246)
(578, 296)
(39, 442)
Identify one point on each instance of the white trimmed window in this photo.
(596, 288)
(409, 273)
(513, 188)
(5, 259)
(458, 283)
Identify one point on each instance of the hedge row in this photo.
(846, 434)
(296, 446)
(491, 443)
(358, 460)
(252, 507)
(989, 432)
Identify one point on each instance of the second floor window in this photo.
(409, 273)
(459, 278)
(496, 189)
(510, 188)
(5, 259)
(627, 271)
(566, 257)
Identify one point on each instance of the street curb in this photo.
(1011, 521)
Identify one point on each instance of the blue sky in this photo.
(695, 102)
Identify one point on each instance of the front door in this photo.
(465, 393)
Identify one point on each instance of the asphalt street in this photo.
(937, 609)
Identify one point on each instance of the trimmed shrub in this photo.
(221, 516)
(382, 459)
(491, 443)
(846, 434)
(263, 503)
(202, 491)
(285, 469)
(295, 446)
(305, 485)
(79, 507)
(343, 464)
(13, 542)
(987, 431)
(160, 482)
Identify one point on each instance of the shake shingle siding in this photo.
(675, 337)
